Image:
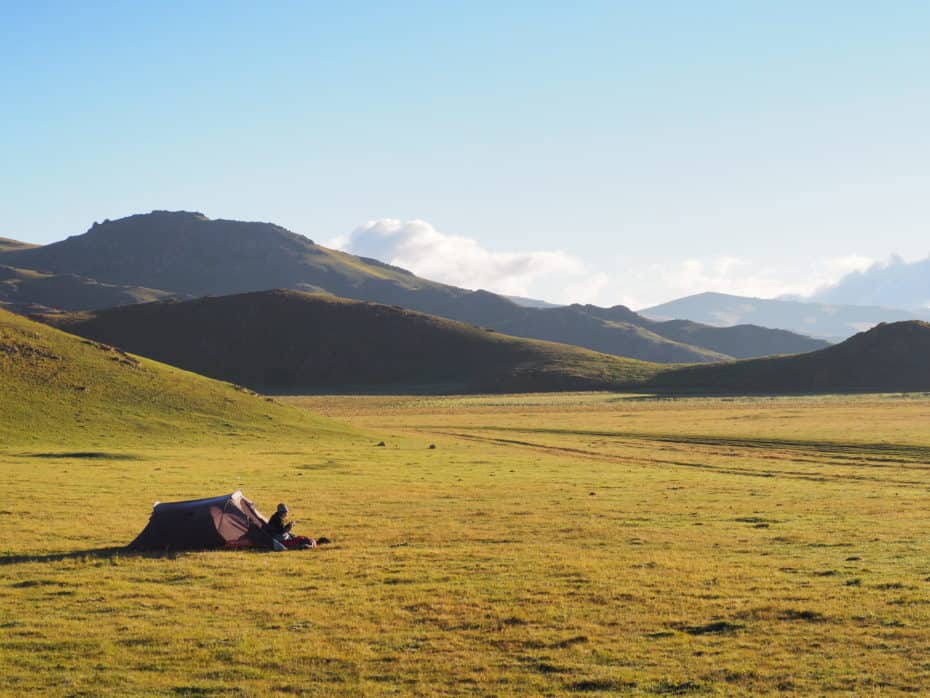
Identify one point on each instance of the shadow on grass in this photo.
(90, 554)
(85, 455)
(119, 551)
(99, 553)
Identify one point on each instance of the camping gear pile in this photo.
(229, 521)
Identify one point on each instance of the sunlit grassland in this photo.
(547, 545)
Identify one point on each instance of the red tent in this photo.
(201, 524)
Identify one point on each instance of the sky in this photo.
(608, 152)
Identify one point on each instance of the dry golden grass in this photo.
(549, 545)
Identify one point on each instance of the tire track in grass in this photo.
(906, 453)
(627, 460)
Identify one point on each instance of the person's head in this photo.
(282, 508)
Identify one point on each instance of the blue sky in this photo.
(607, 152)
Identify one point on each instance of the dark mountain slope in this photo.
(888, 358)
(574, 325)
(191, 254)
(739, 341)
(292, 341)
(188, 254)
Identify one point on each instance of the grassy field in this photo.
(571, 544)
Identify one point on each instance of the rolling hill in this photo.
(187, 254)
(26, 290)
(576, 324)
(56, 388)
(888, 358)
(832, 322)
(8, 245)
(290, 341)
(738, 341)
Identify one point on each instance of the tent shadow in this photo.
(110, 553)
(99, 553)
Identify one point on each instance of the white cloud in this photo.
(588, 290)
(557, 276)
(895, 282)
(652, 283)
(462, 261)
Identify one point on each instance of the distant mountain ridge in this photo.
(887, 358)
(187, 254)
(293, 341)
(833, 322)
(741, 341)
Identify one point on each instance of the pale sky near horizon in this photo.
(610, 152)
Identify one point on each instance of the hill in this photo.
(26, 290)
(614, 331)
(888, 358)
(739, 341)
(833, 322)
(187, 254)
(533, 302)
(291, 341)
(191, 254)
(7, 245)
(59, 389)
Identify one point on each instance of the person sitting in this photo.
(278, 525)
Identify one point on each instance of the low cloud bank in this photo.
(659, 282)
(560, 277)
(894, 283)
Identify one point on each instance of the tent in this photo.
(218, 522)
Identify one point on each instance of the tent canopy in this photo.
(201, 524)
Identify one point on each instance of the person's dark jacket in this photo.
(278, 524)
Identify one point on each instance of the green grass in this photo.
(565, 544)
(59, 390)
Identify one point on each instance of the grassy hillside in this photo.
(59, 389)
(188, 254)
(887, 358)
(292, 341)
(8, 245)
(27, 290)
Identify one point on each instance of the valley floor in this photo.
(548, 545)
